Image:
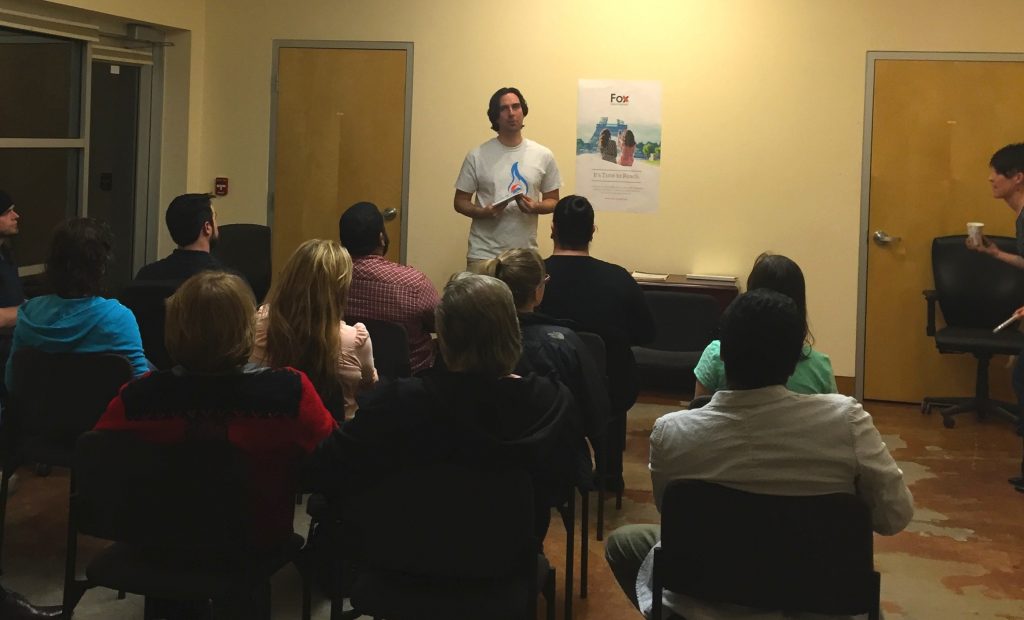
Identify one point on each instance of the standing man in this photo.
(1006, 176)
(11, 294)
(514, 180)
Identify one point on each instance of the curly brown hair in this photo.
(80, 250)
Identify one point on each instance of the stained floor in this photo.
(960, 558)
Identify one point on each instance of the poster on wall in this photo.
(618, 144)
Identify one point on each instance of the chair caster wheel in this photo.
(948, 422)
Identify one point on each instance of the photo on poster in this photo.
(618, 144)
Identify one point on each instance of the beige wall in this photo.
(763, 113)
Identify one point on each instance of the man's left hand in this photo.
(527, 204)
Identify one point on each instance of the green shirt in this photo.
(813, 374)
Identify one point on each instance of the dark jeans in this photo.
(1018, 389)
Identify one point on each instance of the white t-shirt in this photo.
(493, 170)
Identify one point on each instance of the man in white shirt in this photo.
(514, 180)
(759, 437)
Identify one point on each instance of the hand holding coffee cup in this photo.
(975, 238)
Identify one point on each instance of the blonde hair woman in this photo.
(301, 325)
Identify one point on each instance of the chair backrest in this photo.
(185, 496)
(147, 301)
(59, 396)
(974, 289)
(797, 554)
(448, 521)
(595, 346)
(390, 347)
(685, 321)
(245, 248)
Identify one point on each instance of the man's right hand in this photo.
(468, 205)
(985, 247)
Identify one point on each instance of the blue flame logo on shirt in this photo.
(519, 182)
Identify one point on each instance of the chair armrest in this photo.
(931, 296)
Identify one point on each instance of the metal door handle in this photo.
(390, 214)
(881, 238)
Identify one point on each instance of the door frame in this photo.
(865, 179)
(407, 47)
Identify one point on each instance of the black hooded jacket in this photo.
(444, 417)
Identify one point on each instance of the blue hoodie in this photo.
(85, 325)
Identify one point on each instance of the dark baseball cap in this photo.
(6, 203)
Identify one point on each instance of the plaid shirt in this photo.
(388, 291)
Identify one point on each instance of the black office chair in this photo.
(178, 514)
(686, 324)
(245, 248)
(810, 554)
(390, 347)
(55, 398)
(975, 293)
(469, 552)
(147, 301)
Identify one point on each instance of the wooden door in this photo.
(935, 126)
(339, 139)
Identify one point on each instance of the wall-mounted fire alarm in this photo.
(220, 186)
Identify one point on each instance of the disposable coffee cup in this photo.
(974, 233)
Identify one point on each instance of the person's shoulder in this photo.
(612, 270)
(533, 145)
(675, 421)
(151, 271)
(818, 357)
(112, 307)
(484, 147)
(713, 350)
(830, 404)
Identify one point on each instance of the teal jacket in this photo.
(84, 325)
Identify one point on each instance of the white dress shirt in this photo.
(775, 442)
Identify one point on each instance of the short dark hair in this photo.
(1008, 160)
(762, 339)
(186, 216)
(359, 228)
(494, 106)
(80, 250)
(574, 222)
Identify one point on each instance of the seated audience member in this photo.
(75, 319)
(813, 374)
(273, 415)
(474, 412)
(192, 223)
(11, 294)
(384, 290)
(591, 292)
(550, 347)
(602, 298)
(760, 437)
(301, 326)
